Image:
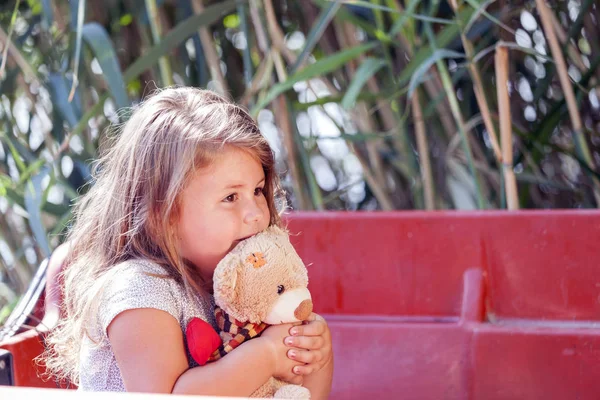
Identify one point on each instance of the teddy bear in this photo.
(262, 281)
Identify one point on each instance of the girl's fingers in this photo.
(313, 328)
(303, 370)
(304, 356)
(305, 342)
(312, 317)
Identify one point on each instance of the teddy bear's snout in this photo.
(303, 311)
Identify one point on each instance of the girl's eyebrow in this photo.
(241, 185)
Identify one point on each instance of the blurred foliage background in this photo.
(369, 105)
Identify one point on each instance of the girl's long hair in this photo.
(129, 211)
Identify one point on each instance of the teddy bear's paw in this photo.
(292, 392)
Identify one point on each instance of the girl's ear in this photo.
(225, 281)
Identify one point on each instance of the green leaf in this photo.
(344, 15)
(367, 69)
(176, 36)
(442, 39)
(351, 137)
(481, 9)
(316, 32)
(60, 98)
(242, 12)
(362, 96)
(420, 17)
(422, 69)
(97, 38)
(47, 14)
(31, 170)
(79, 13)
(33, 203)
(92, 112)
(18, 151)
(321, 67)
(403, 19)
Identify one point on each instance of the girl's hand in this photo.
(274, 336)
(311, 344)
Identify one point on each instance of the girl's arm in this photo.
(149, 348)
(313, 347)
(239, 374)
(319, 382)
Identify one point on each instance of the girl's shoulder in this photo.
(140, 275)
(138, 284)
(141, 266)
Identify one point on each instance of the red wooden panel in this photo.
(382, 263)
(24, 347)
(391, 360)
(538, 264)
(516, 362)
(544, 265)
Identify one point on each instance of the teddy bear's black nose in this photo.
(303, 311)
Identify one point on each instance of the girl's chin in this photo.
(233, 245)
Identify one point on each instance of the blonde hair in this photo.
(129, 211)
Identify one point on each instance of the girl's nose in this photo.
(253, 213)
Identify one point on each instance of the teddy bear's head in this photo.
(263, 280)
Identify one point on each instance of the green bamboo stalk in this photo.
(563, 75)
(163, 64)
(242, 11)
(212, 58)
(403, 142)
(392, 120)
(80, 18)
(423, 147)
(8, 37)
(478, 88)
(456, 113)
(283, 121)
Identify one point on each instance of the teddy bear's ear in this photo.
(225, 279)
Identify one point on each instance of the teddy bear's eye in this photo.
(280, 289)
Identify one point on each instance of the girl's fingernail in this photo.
(292, 354)
(296, 370)
(289, 341)
(294, 332)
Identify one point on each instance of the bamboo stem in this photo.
(261, 36)
(297, 162)
(423, 148)
(378, 192)
(479, 92)
(212, 58)
(277, 38)
(282, 119)
(451, 95)
(501, 65)
(571, 49)
(155, 26)
(19, 59)
(563, 75)
(276, 33)
(363, 119)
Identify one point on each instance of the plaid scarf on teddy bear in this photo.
(238, 332)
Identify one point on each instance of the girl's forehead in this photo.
(232, 161)
(230, 167)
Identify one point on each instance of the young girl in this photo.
(189, 176)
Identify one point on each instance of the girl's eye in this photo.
(231, 198)
(280, 289)
(259, 191)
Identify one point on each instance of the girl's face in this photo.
(222, 204)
